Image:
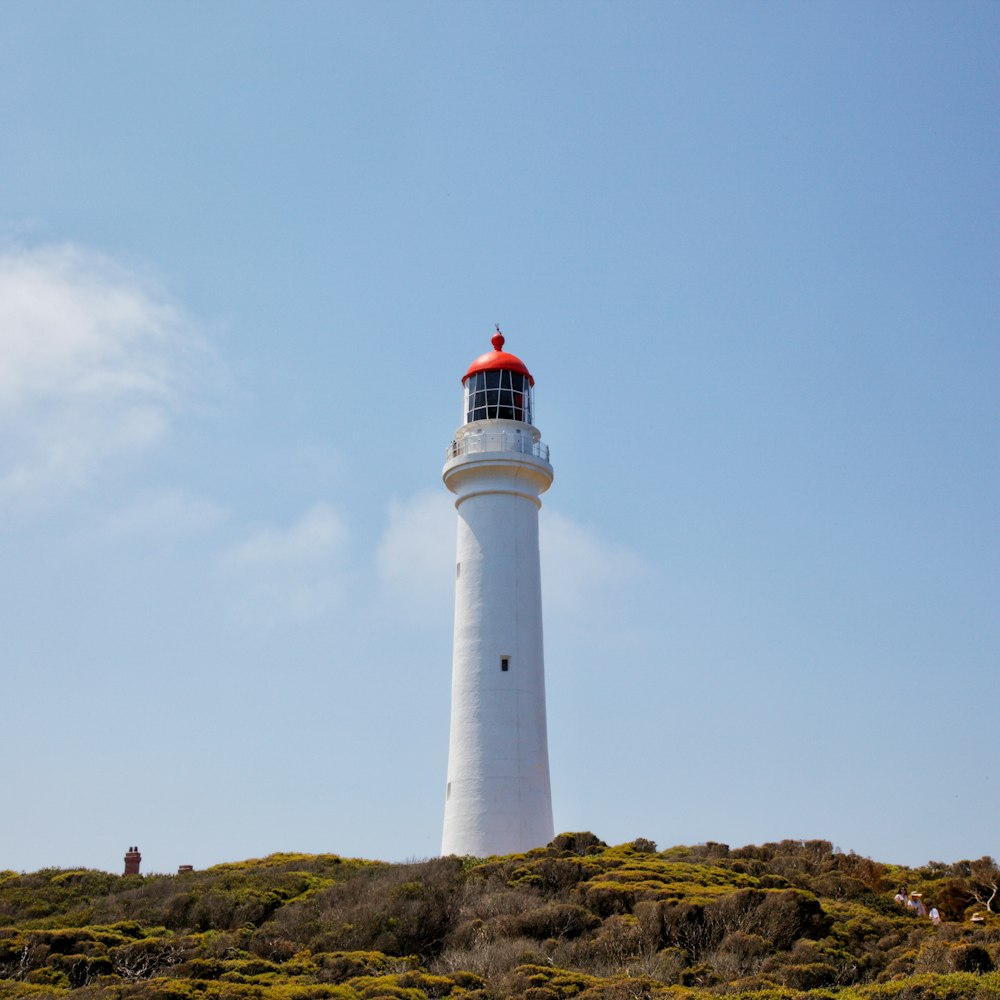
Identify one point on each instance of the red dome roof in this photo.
(498, 360)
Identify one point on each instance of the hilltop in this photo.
(577, 919)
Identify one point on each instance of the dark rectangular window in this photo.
(504, 663)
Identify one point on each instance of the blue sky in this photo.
(749, 251)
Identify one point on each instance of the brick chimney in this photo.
(132, 861)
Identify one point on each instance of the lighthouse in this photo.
(498, 798)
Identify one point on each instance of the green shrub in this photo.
(808, 976)
(576, 843)
(555, 920)
(47, 976)
(956, 986)
(971, 958)
(340, 966)
(15, 990)
(583, 918)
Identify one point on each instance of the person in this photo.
(901, 896)
(918, 903)
(935, 916)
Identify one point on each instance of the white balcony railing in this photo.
(485, 441)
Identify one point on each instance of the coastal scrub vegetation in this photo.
(577, 920)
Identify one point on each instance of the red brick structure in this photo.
(132, 861)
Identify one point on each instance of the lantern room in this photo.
(498, 386)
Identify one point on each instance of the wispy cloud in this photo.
(93, 361)
(583, 575)
(169, 515)
(282, 574)
(416, 556)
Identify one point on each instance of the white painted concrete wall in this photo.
(498, 798)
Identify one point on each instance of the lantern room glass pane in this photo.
(498, 395)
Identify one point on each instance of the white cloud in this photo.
(416, 556)
(584, 577)
(168, 514)
(582, 574)
(288, 574)
(92, 361)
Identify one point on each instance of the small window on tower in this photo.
(505, 663)
(458, 570)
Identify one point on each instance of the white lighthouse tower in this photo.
(498, 799)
